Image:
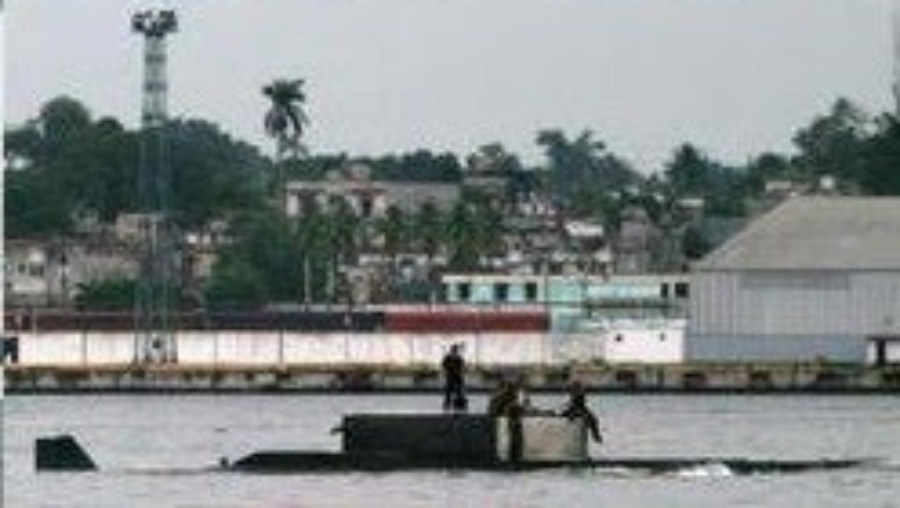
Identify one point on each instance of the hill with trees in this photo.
(65, 165)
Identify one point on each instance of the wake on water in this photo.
(711, 470)
(708, 470)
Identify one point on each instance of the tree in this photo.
(313, 167)
(214, 176)
(428, 229)
(695, 245)
(112, 295)
(59, 120)
(417, 166)
(264, 262)
(571, 162)
(236, 283)
(726, 192)
(494, 160)
(831, 144)
(462, 238)
(284, 121)
(343, 230)
(607, 206)
(22, 145)
(35, 206)
(285, 118)
(766, 167)
(583, 165)
(89, 168)
(393, 228)
(688, 172)
(67, 165)
(692, 174)
(879, 169)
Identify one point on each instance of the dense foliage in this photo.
(64, 165)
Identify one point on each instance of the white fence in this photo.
(625, 344)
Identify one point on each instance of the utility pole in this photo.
(154, 334)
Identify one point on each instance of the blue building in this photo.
(576, 303)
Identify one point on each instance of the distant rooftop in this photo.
(816, 233)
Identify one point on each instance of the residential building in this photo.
(368, 198)
(50, 272)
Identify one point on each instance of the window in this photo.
(501, 292)
(367, 207)
(531, 291)
(664, 290)
(465, 291)
(681, 290)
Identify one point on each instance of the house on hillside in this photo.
(42, 273)
(637, 240)
(368, 198)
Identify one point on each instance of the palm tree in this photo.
(284, 121)
(571, 161)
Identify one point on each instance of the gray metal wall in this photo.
(790, 315)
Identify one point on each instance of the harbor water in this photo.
(163, 450)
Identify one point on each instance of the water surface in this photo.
(160, 451)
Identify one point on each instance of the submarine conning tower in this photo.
(464, 437)
(61, 453)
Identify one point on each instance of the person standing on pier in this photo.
(454, 366)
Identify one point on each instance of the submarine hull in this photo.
(392, 442)
(314, 462)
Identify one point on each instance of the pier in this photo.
(352, 378)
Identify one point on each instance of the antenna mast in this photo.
(154, 336)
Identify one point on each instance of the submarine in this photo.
(456, 441)
(461, 441)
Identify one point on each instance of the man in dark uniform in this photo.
(453, 366)
(508, 402)
(501, 400)
(577, 408)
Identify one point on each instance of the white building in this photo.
(368, 198)
(49, 273)
(817, 278)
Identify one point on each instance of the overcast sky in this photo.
(735, 77)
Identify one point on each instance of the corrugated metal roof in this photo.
(816, 233)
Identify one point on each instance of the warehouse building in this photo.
(815, 279)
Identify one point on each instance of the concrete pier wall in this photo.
(658, 343)
(722, 378)
(272, 348)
